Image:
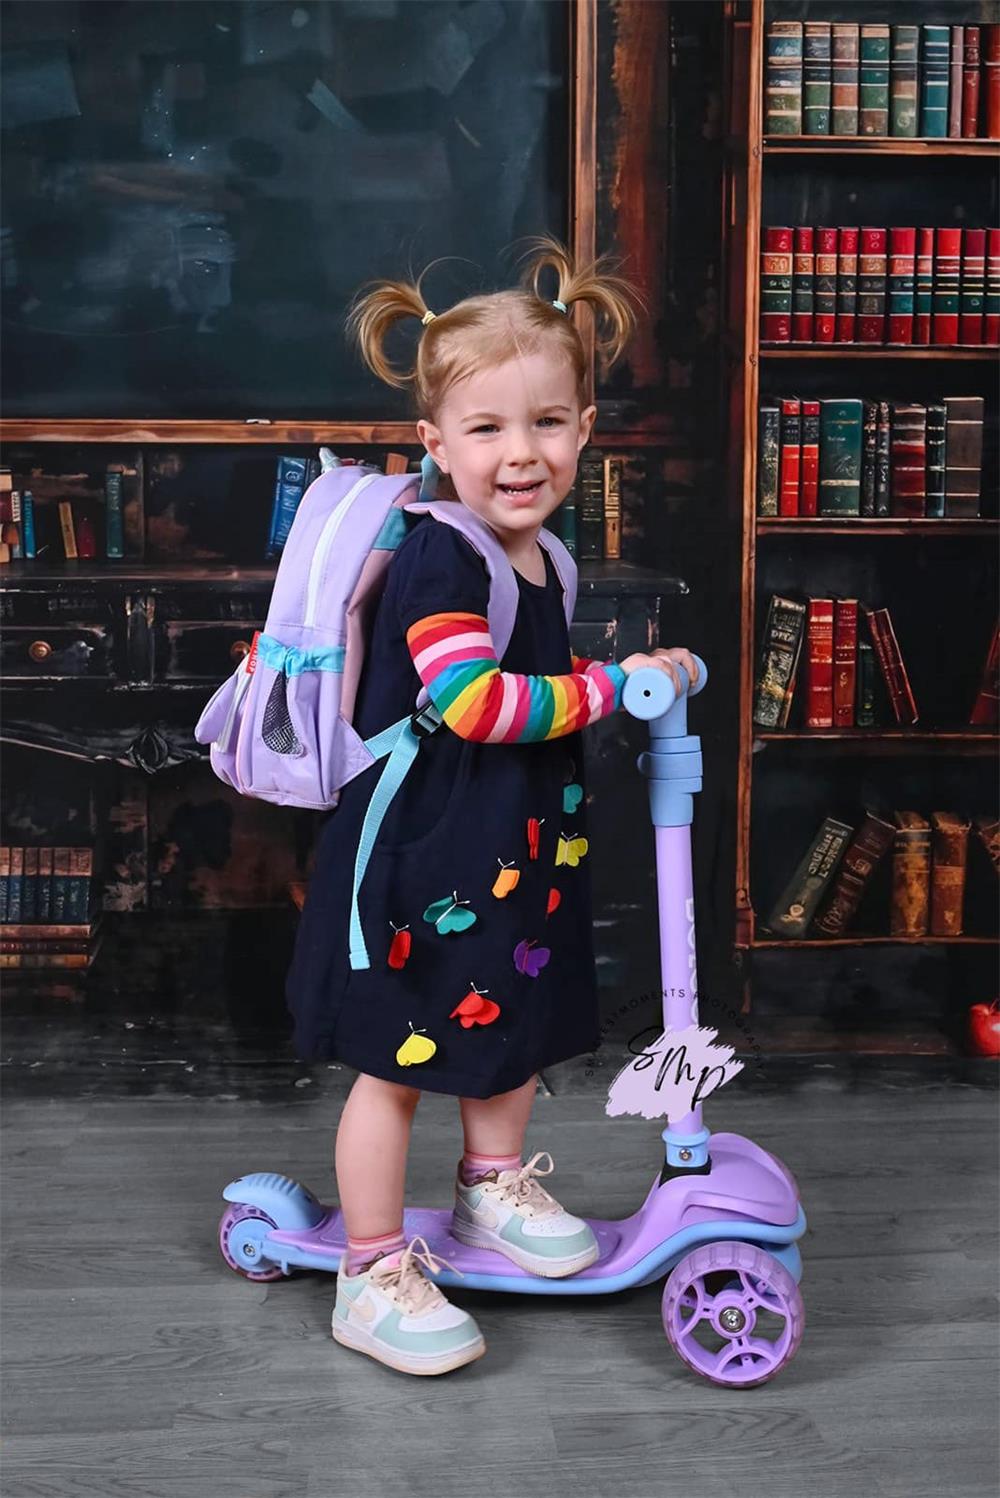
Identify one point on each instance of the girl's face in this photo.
(510, 437)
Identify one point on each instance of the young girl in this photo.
(492, 800)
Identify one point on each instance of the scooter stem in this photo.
(673, 767)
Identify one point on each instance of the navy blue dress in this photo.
(461, 810)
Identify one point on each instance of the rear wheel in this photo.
(241, 1235)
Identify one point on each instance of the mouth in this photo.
(520, 491)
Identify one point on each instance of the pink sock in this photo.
(473, 1166)
(363, 1251)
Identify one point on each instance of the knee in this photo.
(401, 1095)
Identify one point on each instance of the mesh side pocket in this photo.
(276, 726)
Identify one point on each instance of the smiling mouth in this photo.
(521, 488)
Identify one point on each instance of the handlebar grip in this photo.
(650, 692)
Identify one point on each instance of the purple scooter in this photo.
(720, 1219)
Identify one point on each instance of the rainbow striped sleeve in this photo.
(456, 662)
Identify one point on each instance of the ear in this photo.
(587, 417)
(430, 436)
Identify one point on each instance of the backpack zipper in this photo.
(327, 537)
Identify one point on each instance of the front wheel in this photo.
(241, 1233)
(733, 1314)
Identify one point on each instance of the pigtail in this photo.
(613, 298)
(373, 312)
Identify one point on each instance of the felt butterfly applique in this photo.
(446, 916)
(506, 880)
(570, 850)
(530, 958)
(417, 1047)
(572, 796)
(399, 947)
(474, 1009)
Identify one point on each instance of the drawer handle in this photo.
(39, 650)
(239, 649)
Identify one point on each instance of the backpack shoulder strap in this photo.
(503, 583)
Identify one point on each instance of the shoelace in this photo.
(522, 1186)
(414, 1291)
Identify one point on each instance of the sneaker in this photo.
(396, 1315)
(514, 1215)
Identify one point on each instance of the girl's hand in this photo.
(683, 658)
(665, 660)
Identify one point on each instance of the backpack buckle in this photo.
(426, 720)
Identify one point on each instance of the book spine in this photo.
(826, 285)
(955, 68)
(816, 78)
(873, 79)
(290, 486)
(768, 446)
(803, 288)
(935, 462)
(29, 891)
(845, 655)
(819, 663)
(15, 889)
(81, 873)
(903, 81)
(991, 303)
(934, 60)
(867, 848)
(947, 261)
(909, 461)
(991, 81)
(970, 84)
(776, 286)
(613, 466)
(840, 448)
(949, 855)
(869, 421)
(864, 712)
(924, 290)
(844, 47)
(911, 875)
(114, 526)
(883, 443)
(44, 884)
(60, 885)
(809, 493)
(963, 449)
(871, 286)
(28, 523)
(901, 288)
(783, 94)
(896, 678)
(797, 905)
(847, 283)
(972, 294)
(66, 528)
(4, 882)
(590, 509)
(781, 645)
(790, 458)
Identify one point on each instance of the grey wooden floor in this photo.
(137, 1364)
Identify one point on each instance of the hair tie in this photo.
(427, 317)
(561, 305)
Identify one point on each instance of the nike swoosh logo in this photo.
(364, 1309)
(486, 1215)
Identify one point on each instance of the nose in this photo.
(522, 451)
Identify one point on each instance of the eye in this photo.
(555, 420)
(486, 427)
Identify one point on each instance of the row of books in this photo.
(869, 458)
(839, 667)
(929, 862)
(46, 885)
(78, 529)
(872, 285)
(66, 945)
(874, 79)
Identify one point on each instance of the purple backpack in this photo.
(280, 727)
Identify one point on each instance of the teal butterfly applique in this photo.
(446, 915)
(572, 796)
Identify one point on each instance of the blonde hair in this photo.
(483, 331)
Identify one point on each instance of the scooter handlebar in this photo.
(650, 692)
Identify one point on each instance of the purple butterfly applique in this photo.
(529, 958)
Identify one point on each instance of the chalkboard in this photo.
(192, 192)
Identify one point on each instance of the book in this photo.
(819, 663)
(294, 476)
(783, 86)
(825, 320)
(28, 545)
(869, 442)
(847, 283)
(984, 709)
(987, 830)
(809, 485)
(991, 79)
(66, 528)
(864, 853)
(15, 885)
(901, 284)
(890, 661)
(816, 77)
(768, 447)
(923, 300)
(798, 901)
(956, 63)
(991, 303)
(781, 644)
(612, 539)
(840, 450)
(935, 477)
(972, 287)
(871, 286)
(911, 875)
(803, 285)
(963, 455)
(903, 80)
(590, 507)
(949, 853)
(790, 456)
(933, 76)
(873, 79)
(908, 461)
(776, 286)
(947, 263)
(883, 464)
(864, 707)
(114, 527)
(845, 654)
(844, 50)
(970, 84)
(396, 463)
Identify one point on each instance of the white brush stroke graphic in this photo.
(669, 1077)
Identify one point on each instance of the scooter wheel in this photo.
(241, 1233)
(733, 1314)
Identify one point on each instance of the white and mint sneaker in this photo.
(396, 1315)
(514, 1215)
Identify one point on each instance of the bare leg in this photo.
(373, 1139)
(496, 1125)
